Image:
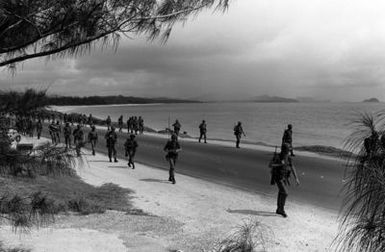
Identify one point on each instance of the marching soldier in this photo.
(67, 135)
(93, 138)
(108, 122)
(288, 138)
(120, 123)
(130, 146)
(177, 127)
(78, 139)
(238, 132)
(172, 148)
(202, 130)
(39, 128)
(111, 139)
(280, 175)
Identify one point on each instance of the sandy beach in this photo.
(191, 216)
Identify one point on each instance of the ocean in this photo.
(326, 124)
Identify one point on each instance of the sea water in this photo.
(326, 124)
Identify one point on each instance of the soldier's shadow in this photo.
(155, 180)
(253, 212)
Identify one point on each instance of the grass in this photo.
(70, 193)
(3, 248)
(250, 236)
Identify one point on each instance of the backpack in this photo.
(275, 160)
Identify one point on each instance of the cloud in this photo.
(289, 48)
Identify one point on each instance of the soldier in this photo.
(78, 139)
(120, 123)
(281, 175)
(90, 120)
(30, 127)
(108, 122)
(93, 138)
(67, 130)
(202, 130)
(111, 139)
(172, 148)
(52, 131)
(288, 138)
(58, 131)
(177, 127)
(135, 125)
(141, 124)
(130, 146)
(238, 132)
(39, 128)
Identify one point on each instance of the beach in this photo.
(206, 204)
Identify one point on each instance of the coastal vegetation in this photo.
(363, 217)
(40, 182)
(107, 100)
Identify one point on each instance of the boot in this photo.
(115, 160)
(281, 204)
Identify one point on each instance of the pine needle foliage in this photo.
(38, 28)
(250, 236)
(363, 217)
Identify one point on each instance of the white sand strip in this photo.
(209, 211)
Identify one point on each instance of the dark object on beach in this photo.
(93, 138)
(177, 126)
(203, 131)
(287, 138)
(111, 139)
(281, 172)
(130, 147)
(172, 148)
(78, 139)
(238, 132)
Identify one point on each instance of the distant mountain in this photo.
(266, 98)
(108, 100)
(371, 100)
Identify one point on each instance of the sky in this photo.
(325, 49)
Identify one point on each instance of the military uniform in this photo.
(67, 135)
(172, 147)
(78, 139)
(202, 130)
(177, 127)
(93, 139)
(111, 139)
(39, 129)
(238, 131)
(130, 146)
(287, 138)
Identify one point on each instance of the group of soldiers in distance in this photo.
(281, 164)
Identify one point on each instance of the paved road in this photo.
(321, 179)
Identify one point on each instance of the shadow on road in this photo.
(156, 180)
(253, 212)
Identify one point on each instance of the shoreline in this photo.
(327, 151)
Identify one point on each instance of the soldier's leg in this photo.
(282, 195)
(204, 137)
(200, 137)
(172, 170)
(109, 153)
(238, 141)
(114, 153)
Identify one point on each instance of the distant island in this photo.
(266, 98)
(371, 100)
(109, 100)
